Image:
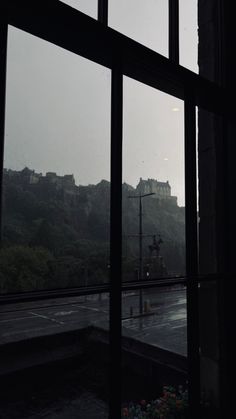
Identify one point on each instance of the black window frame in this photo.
(94, 40)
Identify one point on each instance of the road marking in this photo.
(177, 327)
(47, 318)
(65, 313)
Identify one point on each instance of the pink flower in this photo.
(125, 411)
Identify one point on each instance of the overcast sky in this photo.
(58, 104)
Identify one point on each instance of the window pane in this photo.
(154, 348)
(143, 21)
(56, 168)
(58, 356)
(153, 163)
(89, 7)
(188, 34)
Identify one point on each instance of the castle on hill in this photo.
(66, 183)
(30, 177)
(161, 190)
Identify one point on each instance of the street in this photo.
(162, 324)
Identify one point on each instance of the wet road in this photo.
(162, 324)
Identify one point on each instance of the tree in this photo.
(23, 268)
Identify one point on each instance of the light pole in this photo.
(140, 271)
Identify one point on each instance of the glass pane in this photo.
(153, 184)
(89, 7)
(143, 21)
(188, 34)
(155, 350)
(56, 168)
(51, 316)
(65, 374)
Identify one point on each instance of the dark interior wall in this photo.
(210, 168)
(217, 182)
(228, 345)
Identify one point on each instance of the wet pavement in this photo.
(163, 323)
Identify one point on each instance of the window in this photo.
(153, 110)
(153, 173)
(56, 179)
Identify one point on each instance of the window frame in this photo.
(97, 42)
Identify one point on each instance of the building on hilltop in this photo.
(24, 176)
(29, 177)
(162, 190)
(62, 182)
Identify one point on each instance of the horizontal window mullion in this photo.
(28, 296)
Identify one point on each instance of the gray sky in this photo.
(58, 104)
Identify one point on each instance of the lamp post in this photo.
(140, 271)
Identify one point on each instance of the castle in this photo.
(66, 183)
(161, 190)
(28, 176)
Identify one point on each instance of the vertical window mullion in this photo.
(103, 11)
(3, 60)
(174, 30)
(116, 241)
(192, 258)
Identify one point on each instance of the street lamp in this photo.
(140, 271)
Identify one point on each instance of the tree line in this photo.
(53, 238)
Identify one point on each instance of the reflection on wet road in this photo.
(162, 324)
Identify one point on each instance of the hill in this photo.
(56, 233)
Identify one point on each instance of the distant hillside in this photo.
(69, 225)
